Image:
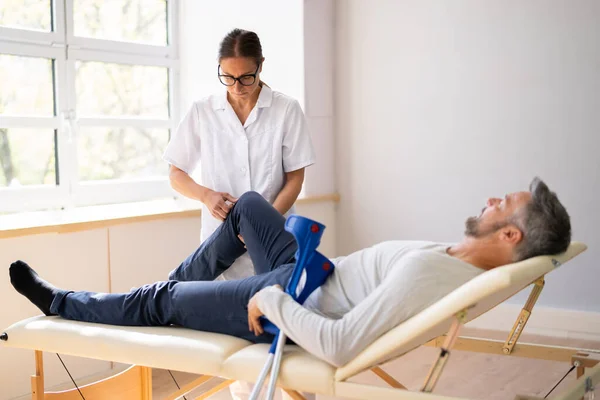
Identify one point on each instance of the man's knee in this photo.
(250, 200)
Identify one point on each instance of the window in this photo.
(87, 101)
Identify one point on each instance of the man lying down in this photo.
(370, 292)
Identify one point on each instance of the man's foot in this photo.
(27, 282)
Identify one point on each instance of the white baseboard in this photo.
(544, 321)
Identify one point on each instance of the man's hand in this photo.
(254, 314)
(217, 205)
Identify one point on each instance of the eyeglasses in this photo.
(244, 80)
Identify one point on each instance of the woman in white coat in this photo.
(249, 137)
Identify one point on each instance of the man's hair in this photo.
(545, 224)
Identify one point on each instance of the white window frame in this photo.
(57, 34)
(36, 196)
(66, 48)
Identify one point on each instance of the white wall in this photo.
(442, 104)
(319, 65)
(139, 253)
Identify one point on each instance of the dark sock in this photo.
(27, 282)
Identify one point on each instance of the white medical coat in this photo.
(237, 158)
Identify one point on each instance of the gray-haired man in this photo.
(370, 291)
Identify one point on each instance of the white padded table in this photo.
(233, 358)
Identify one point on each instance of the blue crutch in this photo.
(315, 268)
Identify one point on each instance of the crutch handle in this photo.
(315, 266)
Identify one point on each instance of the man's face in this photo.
(496, 214)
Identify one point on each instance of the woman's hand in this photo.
(217, 204)
(254, 315)
(242, 240)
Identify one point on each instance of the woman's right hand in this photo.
(217, 205)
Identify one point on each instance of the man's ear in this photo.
(511, 234)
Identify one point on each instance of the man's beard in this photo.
(474, 229)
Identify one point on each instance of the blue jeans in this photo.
(191, 299)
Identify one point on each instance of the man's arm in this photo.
(339, 341)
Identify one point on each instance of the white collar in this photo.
(265, 99)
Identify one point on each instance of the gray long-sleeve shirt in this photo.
(370, 292)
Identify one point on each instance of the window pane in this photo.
(27, 157)
(26, 86)
(121, 90)
(26, 14)
(121, 153)
(140, 21)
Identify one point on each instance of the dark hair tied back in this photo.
(241, 43)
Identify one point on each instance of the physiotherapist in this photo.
(247, 137)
